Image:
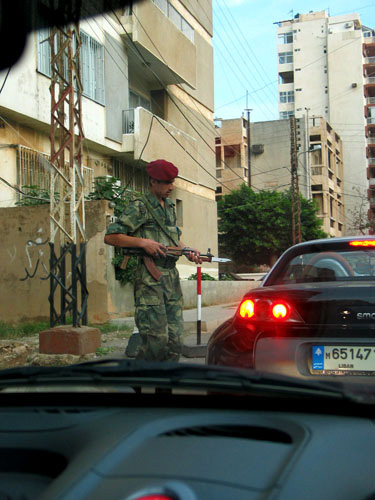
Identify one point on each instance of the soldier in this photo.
(149, 222)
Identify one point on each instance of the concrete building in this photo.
(326, 67)
(320, 166)
(145, 96)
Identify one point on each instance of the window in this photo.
(287, 96)
(92, 68)
(136, 100)
(284, 115)
(285, 38)
(285, 57)
(44, 52)
(176, 18)
(92, 63)
(33, 170)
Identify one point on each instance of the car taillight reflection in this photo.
(247, 309)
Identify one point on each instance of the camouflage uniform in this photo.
(158, 304)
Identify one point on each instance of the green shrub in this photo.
(204, 277)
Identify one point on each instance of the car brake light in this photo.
(247, 309)
(362, 243)
(279, 311)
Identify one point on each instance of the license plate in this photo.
(343, 358)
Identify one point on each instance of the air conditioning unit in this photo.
(257, 149)
(348, 25)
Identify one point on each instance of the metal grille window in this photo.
(287, 96)
(92, 67)
(33, 169)
(130, 176)
(92, 63)
(176, 18)
(285, 38)
(44, 52)
(285, 57)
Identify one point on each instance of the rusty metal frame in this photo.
(67, 213)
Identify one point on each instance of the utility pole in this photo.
(67, 210)
(308, 176)
(248, 133)
(295, 198)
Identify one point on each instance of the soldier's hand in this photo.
(194, 256)
(153, 248)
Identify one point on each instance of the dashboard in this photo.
(221, 447)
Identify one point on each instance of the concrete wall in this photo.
(24, 263)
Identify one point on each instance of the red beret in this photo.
(162, 170)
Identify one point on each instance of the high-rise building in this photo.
(326, 67)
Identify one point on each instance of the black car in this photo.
(313, 315)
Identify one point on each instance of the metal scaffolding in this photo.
(67, 209)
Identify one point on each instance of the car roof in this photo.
(334, 241)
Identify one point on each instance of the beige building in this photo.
(320, 166)
(326, 67)
(145, 96)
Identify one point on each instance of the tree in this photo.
(255, 227)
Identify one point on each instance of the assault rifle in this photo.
(170, 251)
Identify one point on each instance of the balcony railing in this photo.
(370, 100)
(371, 160)
(369, 39)
(371, 119)
(370, 79)
(369, 60)
(370, 140)
(371, 182)
(128, 121)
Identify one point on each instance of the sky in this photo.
(245, 50)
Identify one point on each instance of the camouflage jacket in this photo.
(137, 221)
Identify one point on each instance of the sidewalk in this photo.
(211, 318)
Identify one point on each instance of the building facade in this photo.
(320, 165)
(145, 96)
(326, 68)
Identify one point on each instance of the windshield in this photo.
(165, 165)
(343, 265)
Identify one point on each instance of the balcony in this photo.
(369, 60)
(141, 127)
(369, 80)
(370, 140)
(371, 183)
(370, 100)
(371, 161)
(166, 50)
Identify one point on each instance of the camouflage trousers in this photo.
(158, 315)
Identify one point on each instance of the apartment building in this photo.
(147, 76)
(326, 67)
(320, 165)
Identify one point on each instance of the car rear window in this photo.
(330, 265)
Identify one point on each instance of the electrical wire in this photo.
(5, 79)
